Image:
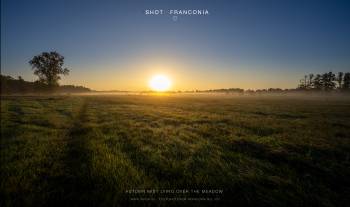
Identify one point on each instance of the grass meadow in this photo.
(261, 151)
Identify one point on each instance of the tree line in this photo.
(10, 85)
(326, 82)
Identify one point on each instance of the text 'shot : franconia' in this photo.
(177, 12)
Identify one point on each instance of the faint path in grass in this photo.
(76, 185)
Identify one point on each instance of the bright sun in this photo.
(160, 83)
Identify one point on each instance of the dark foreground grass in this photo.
(88, 150)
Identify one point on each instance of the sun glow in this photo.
(160, 83)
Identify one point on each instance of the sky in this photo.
(114, 45)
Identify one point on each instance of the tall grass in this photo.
(88, 150)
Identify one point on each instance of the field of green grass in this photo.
(261, 151)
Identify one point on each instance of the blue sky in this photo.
(114, 45)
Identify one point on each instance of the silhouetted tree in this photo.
(328, 81)
(340, 79)
(310, 83)
(48, 66)
(20, 84)
(303, 83)
(20, 78)
(346, 81)
(317, 83)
